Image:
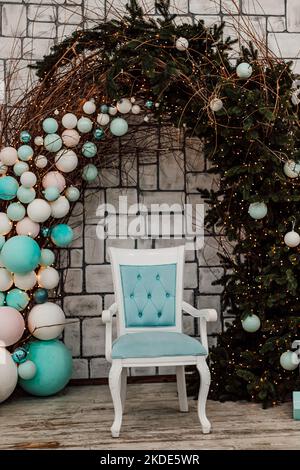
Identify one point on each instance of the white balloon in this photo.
(46, 321)
(89, 107)
(5, 224)
(124, 106)
(69, 121)
(103, 119)
(39, 210)
(292, 239)
(48, 277)
(136, 109)
(66, 160)
(182, 44)
(25, 281)
(291, 169)
(39, 141)
(9, 156)
(6, 279)
(112, 110)
(41, 161)
(3, 169)
(8, 374)
(216, 104)
(54, 178)
(70, 137)
(28, 179)
(27, 227)
(60, 207)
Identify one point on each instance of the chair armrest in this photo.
(205, 315)
(107, 320)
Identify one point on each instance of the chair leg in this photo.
(115, 390)
(203, 392)
(123, 387)
(181, 389)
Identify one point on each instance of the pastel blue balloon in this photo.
(251, 323)
(50, 125)
(20, 168)
(25, 153)
(72, 194)
(47, 257)
(40, 296)
(89, 172)
(89, 149)
(25, 195)
(17, 299)
(8, 188)
(27, 370)
(258, 210)
(53, 368)
(2, 241)
(19, 355)
(2, 299)
(84, 125)
(52, 142)
(51, 193)
(244, 70)
(118, 127)
(20, 254)
(62, 235)
(16, 211)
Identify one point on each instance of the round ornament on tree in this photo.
(25, 137)
(51, 194)
(25, 153)
(28, 179)
(89, 107)
(46, 321)
(17, 298)
(84, 125)
(8, 156)
(69, 121)
(66, 161)
(251, 323)
(60, 208)
(27, 227)
(292, 239)
(20, 244)
(12, 326)
(25, 281)
(216, 105)
(40, 161)
(124, 106)
(89, 173)
(103, 119)
(48, 277)
(54, 178)
(118, 127)
(89, 149)
(16, 211)
(70, 138)
(40, 296)
(38, 141)
(5, 224)
(50, 125)
(8, 188)
(52, 143)
(62, 235)
(27, 370)
(26, 195)
(20, 168)
(244, 70)
(72, 194)
(289, 360)
(19, 355)
(39, 210)
(291, 169)
(6, 279)
(8, 374)
(182, 44)
(258, 210)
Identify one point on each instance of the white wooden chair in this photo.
(148, 288)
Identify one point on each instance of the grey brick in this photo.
(83, 305)
(98, 278)
(93, 337)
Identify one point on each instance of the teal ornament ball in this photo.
(99, 133)
(40, 296)
(45, 231)
(51, 193)
(20, 168)
(89, 149)
(20, 254)
(53, 368)
(104, 108)
(17, 299)
(25, 137)
(289, 360)
(258, 210)
(72, 194)
(52, 143)
(50, 125)
(89, 172)
(47, 257)
(62, 235)
(118, 127)
(2, 299)
(19, 355)
(8, 188)
(84, 125)
(16, 211)
(25, 195)
(149, 104)
(244, 70)
(25, 153)
(251, 323)
(27, 370)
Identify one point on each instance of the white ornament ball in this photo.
(28, 179)
(9, 156)
(60, 207)
(182, 44)
(27, 369)
(292, 239)
(46, 321)
(41, 161)
(244, 70)
(66, 161)
(89, 107)
(70, 137)
(112, 110)
(103, 119)
(5, 224)
(216, 105)
(69, 121)
(8, 374)
(6, 279)
(136, 109)
(27, 227)
(39, 141)
(289, 360)
(251, 323)
(25, 281)
(291, 169)
(124, 106)
(54, 178)
(48, 277)
(39, 210)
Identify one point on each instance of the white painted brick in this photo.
(148, 177)
(179, 6)
(94, 247)
(42, 13)
(171, 175)
(10, 48)
(93, 337)
(41, 30)
(285, 45)
(73, 281)
(82, 305)
(14, 20)
(76, 258)
(205, 7)
(94, 10)
(80, 369)
(98, 279)
(209, 20)
(99, 367)
(293, 15)
(47, 2)
(231, 7)
(65, 31)
(36, 48)
(263, 7)
(92, 199)
(70, 14)
(72, 337)
(276, 24)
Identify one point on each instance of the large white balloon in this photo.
(70, 137)
(27, 227)
(54, 178)
(8, 156)
(60, 207)
(39, 210)
(69, 121)
(48, 277)
(28, 179)
(25, 281)
(46, 321)
(8, 374)
(66, 160)
(5, 224)
(6, 279)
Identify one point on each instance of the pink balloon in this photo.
(12, 326)
(54, 178)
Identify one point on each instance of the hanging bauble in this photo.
(291, 169)
(40, 296)
(45, 231)
(25, 153)
(19, 355)
(136, 109)
(54, 178)
(216, 105)
(39, 210)
(8, 188)
(89, 107)
(289, 360)
(47, 257)
(258, 210)
(62, 235)
(25, 137)
(104, 108)
(46, 321)
(17, 299)
(69, 121)
(52, 143)
(8, 374)
(132, 99)
(3, 169)
(118, 127)
(16, 211)
(50, 125)
(11, 326)
(38, 141)
(84, 125)
(5, 224)
(103, 119)
(89, 149)
(20, 168)
(51, 375)
(99, 133)
(28, 179)
(182, 44)
(27, 227)
(72, 194)
(41, 161)
(52, 193)
(6, 279)
(25, 195)
(89, 172)
(8, 156)
(244, 70)
(60, 208)
(251, 323)
(20, 244)
(48, 277)
(292, 239)
(149, 104)
(2, 241)
(112, 110)
(70, 138)
(66, 161)
(27, 370)
(25, 281)
(124, 106)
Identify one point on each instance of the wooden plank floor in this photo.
(80, 418)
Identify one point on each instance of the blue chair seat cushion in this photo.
(156, 344)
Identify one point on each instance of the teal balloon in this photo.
(53, 363)
(8, 188)
(258, 210)
(16, 211)
(104, 108)
(25, 195)
(251, 323)
(89, 172)
(19, 355)
(17, 299)
(47, 257)
(25, 153)
(20, 168)
(2, 299)
(40, 296)
(287, 360)
(52, 142)
(84, 125)
(72, 194)
(27, 370)
(118, 127)
(20, 254)
(89, 149)
(2, 241)
(25, 137)
(62, 235)
(50, 125)
(51, 193)
(99, 134)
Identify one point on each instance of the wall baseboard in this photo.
(131, 380)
